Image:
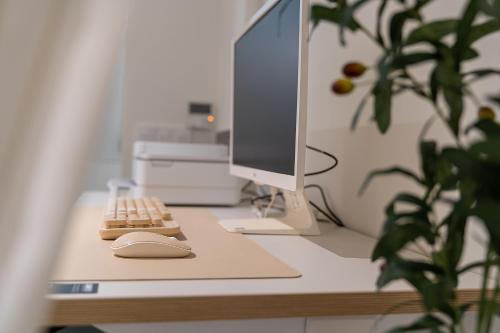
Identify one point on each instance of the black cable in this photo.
(329, 218)
(337, 219)
(247, 184)
(267, 197)
(330, 215)
(245, 190)
(326, 169)
(262, 197)
(325, 201)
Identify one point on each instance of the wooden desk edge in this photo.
(128, 310)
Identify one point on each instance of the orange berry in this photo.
(486, 113)
(353, 69)
(342, 86)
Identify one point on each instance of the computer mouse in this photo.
(142, 244)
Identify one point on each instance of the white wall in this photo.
(365, 149)
(360, 151)
(236, 14)
(106, 162)
(177, 51)
(171, 55)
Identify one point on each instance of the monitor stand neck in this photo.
(298, 219)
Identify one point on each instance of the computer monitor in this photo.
(270, 96)
(269, 104)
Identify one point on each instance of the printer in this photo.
(184, 173)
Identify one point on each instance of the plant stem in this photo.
(483, 301)
(492, 303)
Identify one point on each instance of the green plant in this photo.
(464, 176)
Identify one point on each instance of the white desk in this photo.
(337, 280)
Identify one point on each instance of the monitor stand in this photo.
(298, 220)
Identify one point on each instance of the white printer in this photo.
(184, 173)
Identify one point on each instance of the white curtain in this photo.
(55, 61)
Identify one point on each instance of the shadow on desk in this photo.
(343, 241)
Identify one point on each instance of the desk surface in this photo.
(338, 278)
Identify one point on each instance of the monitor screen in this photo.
(266, 67)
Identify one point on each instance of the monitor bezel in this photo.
(287, 182)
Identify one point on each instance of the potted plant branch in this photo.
(464, 176)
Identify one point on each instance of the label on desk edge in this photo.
(73, 288)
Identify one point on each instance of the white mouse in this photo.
(142, 244)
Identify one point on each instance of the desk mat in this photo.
(217, 254)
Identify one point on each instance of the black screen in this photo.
(266, 60)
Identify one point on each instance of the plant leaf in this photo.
(445, 175)
(396, 237)
(438, 295)
(487, 209)
(432, 31)
(333, 15)
(434, 295)
(489, 128)
(455, 237)
(397, 23)
(464, 32)
(470, 168)
(395, 270)
(434, 85)
(487, 150)
(378, 28)
(383, 103)
(404, 217)
(491, 7)
(467, 167)
(347, 14)
(480, 73)
(481, 30)
(470, 54)
(495, 99)
(428, 161)
(389, 171)
(479, 264)
(407, 198)
(450, 82)
(403, 60)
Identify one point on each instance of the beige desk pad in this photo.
(217, 254)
